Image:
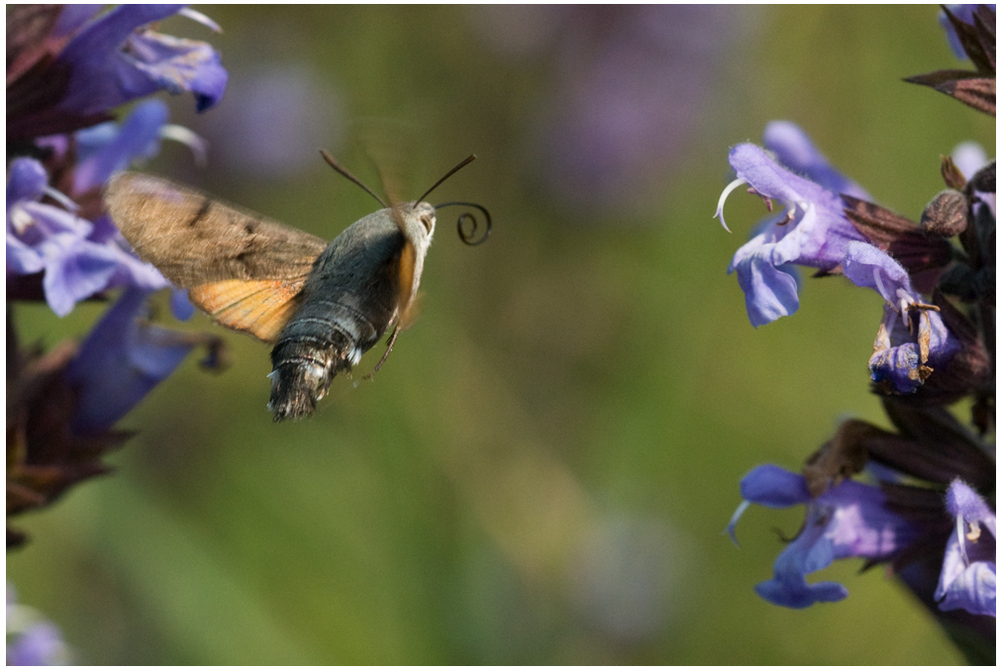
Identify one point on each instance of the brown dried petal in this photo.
(952, 175)
(841, 457)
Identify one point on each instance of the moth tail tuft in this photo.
(296, 386)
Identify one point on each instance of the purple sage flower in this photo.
(117, 58)
(969, 573)
(812, 232)
(848, 520)
(67, 67)
(121, 360)
(904, 355)
(80, 257)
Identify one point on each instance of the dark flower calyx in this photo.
(946, 215)
(979, 38)
(977, 88)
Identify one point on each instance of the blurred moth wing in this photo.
(242, 269)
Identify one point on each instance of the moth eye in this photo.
(428, 223)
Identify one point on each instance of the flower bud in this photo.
(946, 215)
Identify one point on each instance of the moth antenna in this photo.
(340, 169)
(445, 177)
(466, 233)
(385, 356)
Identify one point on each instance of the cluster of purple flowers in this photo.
(68, 69)
(928, 510)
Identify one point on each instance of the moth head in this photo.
(418, 220)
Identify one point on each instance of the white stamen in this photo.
(877, 274)
(722, 200)
(793, 208)
(960, 530)
(731, 529)
(194, 141)
(62, 198)
(200, 18)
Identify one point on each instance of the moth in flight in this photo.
(321, 305)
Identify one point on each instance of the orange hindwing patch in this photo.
(261, 308)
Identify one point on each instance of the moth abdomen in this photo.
(322, 339)
(302, 372)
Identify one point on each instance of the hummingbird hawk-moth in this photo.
(321, 305)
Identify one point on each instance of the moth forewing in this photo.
(195, 239)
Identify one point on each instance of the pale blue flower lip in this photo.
(848, 520)
(769, 178)
(120, 361)
(869, 267)
(969, 573)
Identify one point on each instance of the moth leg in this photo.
(385, 356)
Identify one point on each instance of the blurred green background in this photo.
(542, 471)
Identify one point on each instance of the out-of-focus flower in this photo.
(610, 123)
(812, 232)
(117, 58)
(626, 577)
(969, 574)
(969, 157)
(276, 118)
(31, 639)
(79, 257)
(63, 405)
(69, 68)
(848, 520)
